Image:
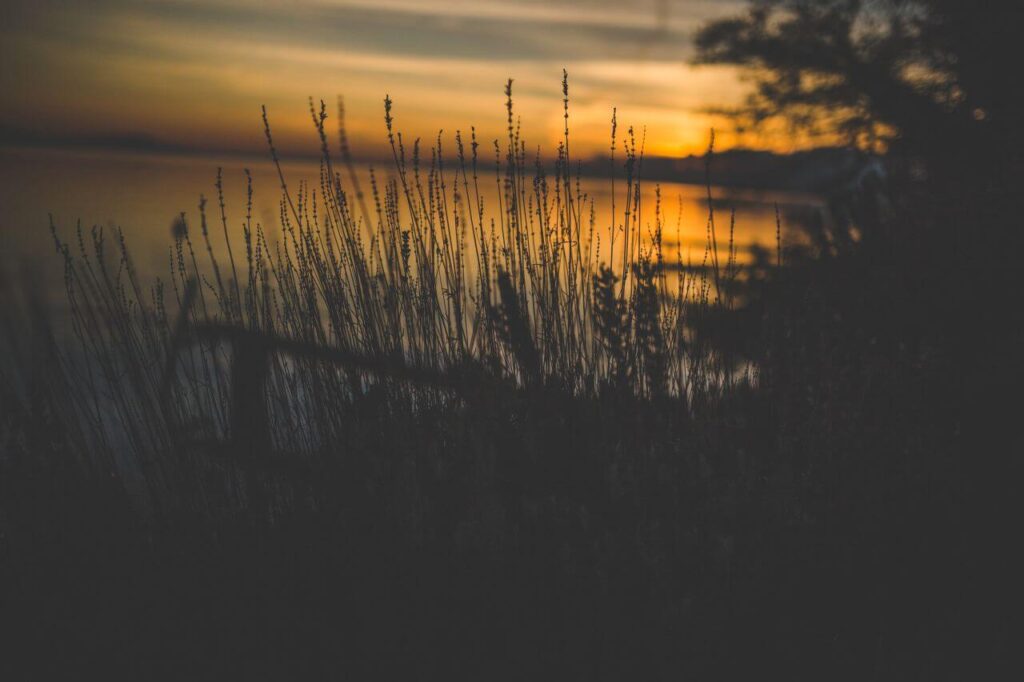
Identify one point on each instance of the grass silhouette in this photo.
(424, 436)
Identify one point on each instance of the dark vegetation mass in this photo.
(424, 437)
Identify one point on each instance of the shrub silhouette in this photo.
(434, 441)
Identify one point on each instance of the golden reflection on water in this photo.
(144, 195)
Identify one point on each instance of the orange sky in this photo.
(194, 73)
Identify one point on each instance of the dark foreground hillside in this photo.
(458, 448)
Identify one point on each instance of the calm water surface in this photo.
(143, 194)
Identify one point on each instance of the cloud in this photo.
(150, 65)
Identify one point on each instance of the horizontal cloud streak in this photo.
(182, 70)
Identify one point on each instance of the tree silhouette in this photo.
(928, 75)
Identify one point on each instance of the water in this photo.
(143, 195)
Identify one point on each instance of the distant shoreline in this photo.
(812, 171)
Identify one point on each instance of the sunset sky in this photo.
(193, 73)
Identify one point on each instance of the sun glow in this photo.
(194, 75)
